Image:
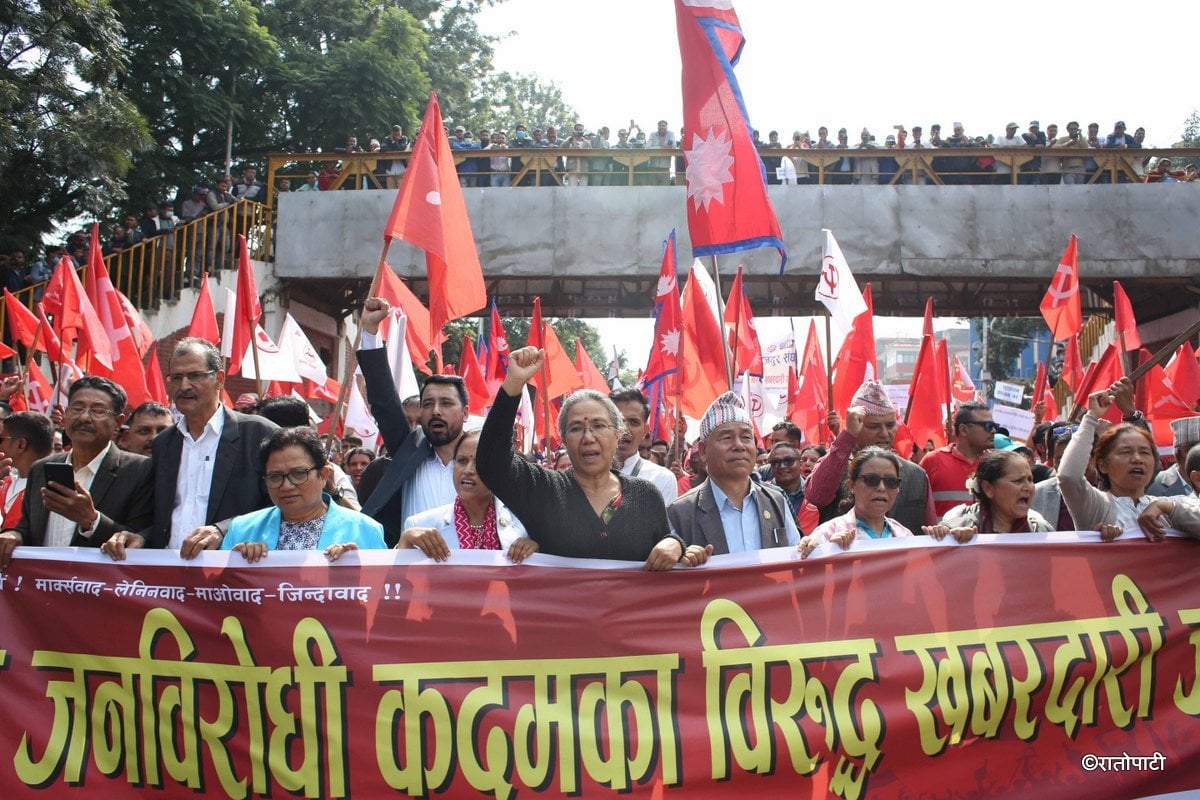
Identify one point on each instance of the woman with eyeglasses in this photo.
(302, 516)
(590, 510)
(1003, 491)
(476, 520)
(872, 484)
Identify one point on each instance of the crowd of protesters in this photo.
(254, 477)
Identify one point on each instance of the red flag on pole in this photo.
(962, 388)
(727, 204)
(1100, 374)
(1184, 374)
(660, 379)
(1127, 330)
(927, 324)
(204, 317)
(416, 332)
(75, 319)
(127, 364)
(855, 361)
(430, 213)
(1042, 394)
(47, 340)
(739, 325)
(22, 323)
(497, 350)
(808, 401)
(1072, 371)
(1163, 403)
(1061, 306)
(925, 402)
(248, 311)
(585, 368)
(154, 378)
(472, 375)
(560, 370)
(701, 362)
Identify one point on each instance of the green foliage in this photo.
(522, 99)
(1007, 337)
(1191, 131)
(67, 127)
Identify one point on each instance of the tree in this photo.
(1007, 337)
(68, 128)
(522, 100)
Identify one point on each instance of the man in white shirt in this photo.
(636, 411)
(1009, 139)
(111, 490)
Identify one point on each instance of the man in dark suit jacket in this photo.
(111, 490)
(216, 474)
(412, 449)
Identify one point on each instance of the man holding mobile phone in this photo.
(80, 498)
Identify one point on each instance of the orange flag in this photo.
(1127, 331)
(430, 213)
(416, 332)
(248, 311)
(808, 401)
(127, 364)
(585, 368)
(559, 370)
(204, 318)
(855, 362)
(154, 378)
(1061, 307)
(701, 363)
(925, 401)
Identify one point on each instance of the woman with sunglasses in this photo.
(302, 516)
(1003, 490)
(872, 484)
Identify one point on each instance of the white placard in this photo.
(1011, 393)
(898, 394)
(1018, 421)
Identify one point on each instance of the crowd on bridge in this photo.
(252, 476)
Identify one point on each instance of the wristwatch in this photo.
(1136, 416)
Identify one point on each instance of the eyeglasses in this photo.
(782, 463)
(872, 481)
(577, 430)
(296, 477)
(191, 377)
(95, 412)
(987, 425)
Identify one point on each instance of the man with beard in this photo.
(111, 490)
(206, 467)
(420, 475)
(636, 411)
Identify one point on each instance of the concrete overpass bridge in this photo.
(595, 251)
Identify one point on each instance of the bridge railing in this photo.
(647, 167)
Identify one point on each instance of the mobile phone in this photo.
(61, 473)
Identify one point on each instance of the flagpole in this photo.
(721, 320)
(29, 357)
(545, 370)
(258, 384)
(347, 375)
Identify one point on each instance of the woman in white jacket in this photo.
(476, 520)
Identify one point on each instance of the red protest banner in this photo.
(1019, 665)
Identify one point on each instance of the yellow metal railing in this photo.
(158, 268)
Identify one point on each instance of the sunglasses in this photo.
(872, 481)
(1064, 429)
(778, 463)
(987, 425)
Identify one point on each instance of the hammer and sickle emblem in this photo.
(829, 278)
(1066, 287)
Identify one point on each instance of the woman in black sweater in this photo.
(590, 510)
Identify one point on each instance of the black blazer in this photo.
(237, 485)
(407, 446)
(122, 493)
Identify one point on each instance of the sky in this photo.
(870, 63)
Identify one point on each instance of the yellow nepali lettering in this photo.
(66, 745)
(255, 679)
(1188, 700)
(114, 728)
(405, 710)
(487, 774)
(534, 731)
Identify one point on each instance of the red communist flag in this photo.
(925, 399)
(472, 375)
(127, 364)
(430, 213)
(701, 361)
(1100, 374)
(660, 379)
(416, 332)
(1042, 394)
(559, 369)
(75, 319)
(1126, 324)
(1072, 371)
(204, 318)
(855, 362)
(1061, 307)
(1184, 373)
(154, 378)
(728, 208)
(47, 339)
(248, 311)
(739, 325)
(808, 405)
(585, 368)
(962, 388)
